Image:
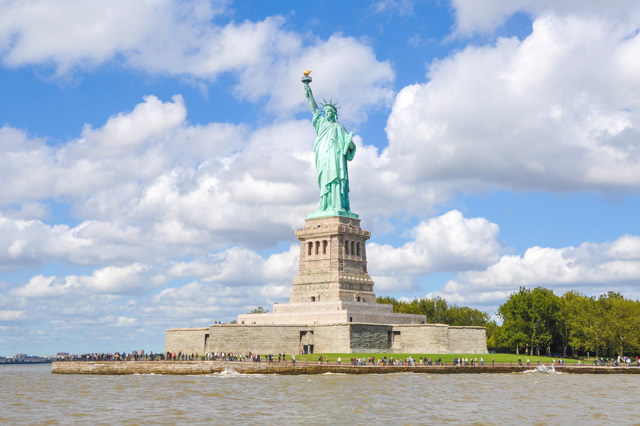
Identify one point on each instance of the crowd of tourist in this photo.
(115, 356)
(621, 360)
(175, 356)
(459, 362)
(281, 357)
(390, 361)
(246, 357)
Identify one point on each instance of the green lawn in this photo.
(448, 358)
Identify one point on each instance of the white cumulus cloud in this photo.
(485, 16)
(189, 38)
(116, 280)
(556, 111)
(449, 242)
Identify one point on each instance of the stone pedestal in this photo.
(332, 285)
(333, 262)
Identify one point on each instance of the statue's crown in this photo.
(329, 104)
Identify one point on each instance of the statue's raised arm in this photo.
(333, 148)
(306, 79)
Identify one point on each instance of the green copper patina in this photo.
(333, 148)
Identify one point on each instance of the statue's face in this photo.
(330, 114)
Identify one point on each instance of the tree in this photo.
(494, 335)
(515, 321)
(529, 319)
(621, 323)
(259, 310)
(571, 307)
(387, 300)
(438, 311)
(464, 315)
(587, 325)
(544, 318)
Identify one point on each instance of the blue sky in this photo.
(157, 156)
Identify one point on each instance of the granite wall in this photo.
(370, 338)
(186, 340)
(329, 338)
(261, 339)
(427, 338)
(468, 340)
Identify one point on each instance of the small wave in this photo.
(228, 371)
(233, 373)
(543, 369)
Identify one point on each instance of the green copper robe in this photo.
(333, 148)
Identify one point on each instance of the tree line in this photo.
(437, 310)
(538, 322)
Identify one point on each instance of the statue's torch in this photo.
(306, 78)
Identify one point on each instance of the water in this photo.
(32, 395)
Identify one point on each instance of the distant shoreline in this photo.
(300, 368)
(25, 362)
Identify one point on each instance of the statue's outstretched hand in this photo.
(307, 91)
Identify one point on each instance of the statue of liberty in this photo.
(333, 148)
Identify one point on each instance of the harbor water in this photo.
(32, 395)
